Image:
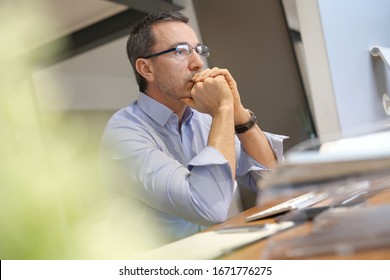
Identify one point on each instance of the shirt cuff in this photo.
(208, 156)
(276, 142)
(246, 163)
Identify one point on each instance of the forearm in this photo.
(257, 146)
(221, 135)
(254, 141)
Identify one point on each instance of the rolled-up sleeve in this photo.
(211, 183)
(249, 171)
(276, 142)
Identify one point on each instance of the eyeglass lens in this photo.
(187, 50)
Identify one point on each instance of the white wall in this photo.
(100, 79)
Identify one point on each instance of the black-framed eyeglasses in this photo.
(184, 50)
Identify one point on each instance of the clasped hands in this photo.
(213, 89)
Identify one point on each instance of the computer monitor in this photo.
(349, 87)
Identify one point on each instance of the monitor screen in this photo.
(348, 86)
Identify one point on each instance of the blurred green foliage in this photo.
(51, 198)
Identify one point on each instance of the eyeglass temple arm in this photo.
(160, 53)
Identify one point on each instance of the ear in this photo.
(145, 68)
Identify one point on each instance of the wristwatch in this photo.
(246, 126)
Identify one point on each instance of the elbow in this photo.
(215, 220)
(219, 219)
(211, 204)
(216, 214)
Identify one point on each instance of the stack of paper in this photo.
(353, 157)
(212, 244)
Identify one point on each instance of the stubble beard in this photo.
(175, 90)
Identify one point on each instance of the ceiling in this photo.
(73, 15)
(86, 24)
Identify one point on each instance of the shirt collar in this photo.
(157, 111)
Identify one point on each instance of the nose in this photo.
(196, 61)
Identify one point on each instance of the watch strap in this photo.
(246, 126)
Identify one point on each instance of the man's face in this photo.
(173, 73)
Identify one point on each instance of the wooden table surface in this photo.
(259, 249)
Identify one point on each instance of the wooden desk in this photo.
(255, 250)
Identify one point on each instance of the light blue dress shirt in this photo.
(168, 171)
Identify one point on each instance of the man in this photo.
(176, 151)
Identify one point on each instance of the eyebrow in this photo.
(181, 43)
(178, 43)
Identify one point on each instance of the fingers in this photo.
(211, 73)
(215, 72)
